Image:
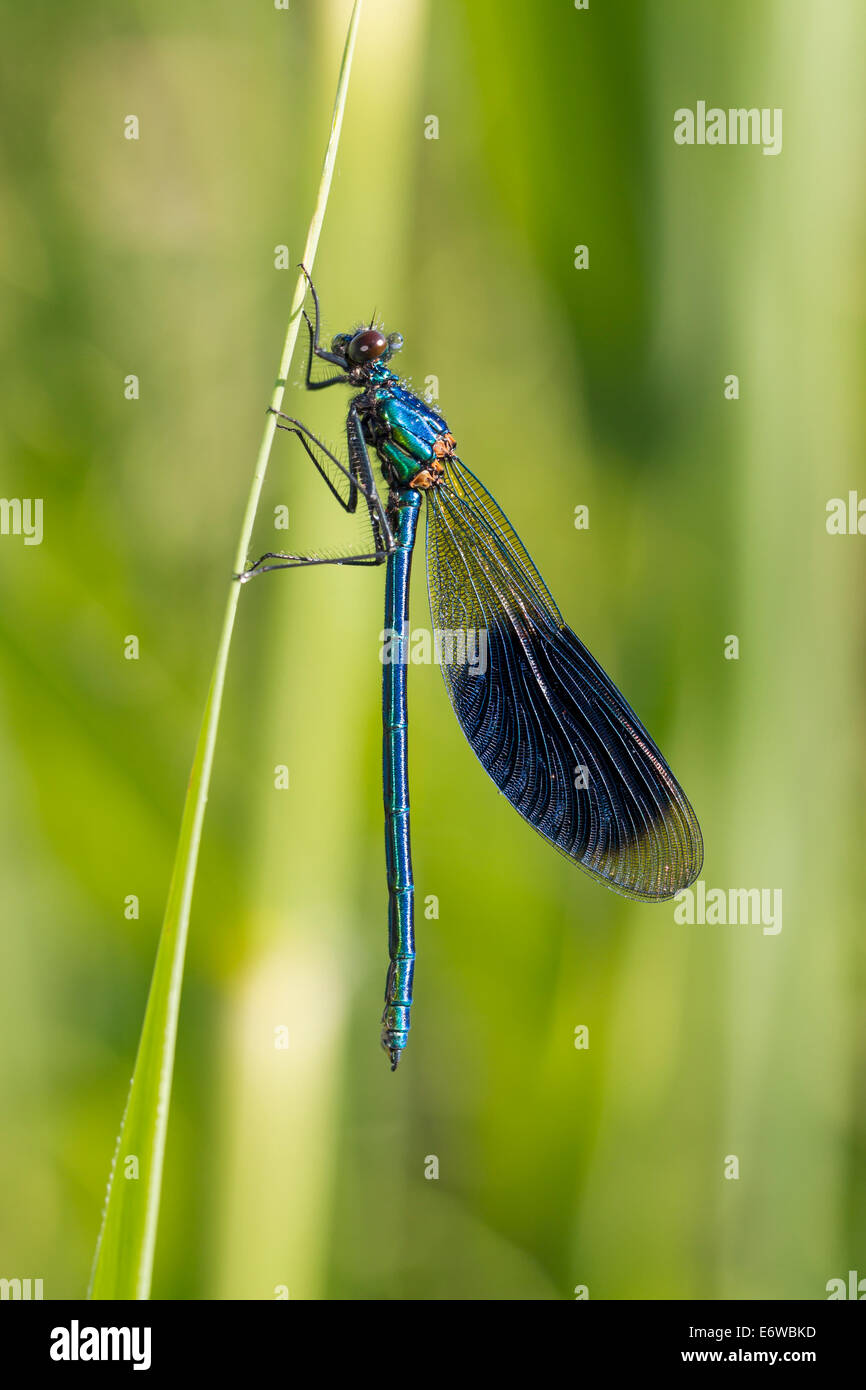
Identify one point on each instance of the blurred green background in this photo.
(603, 387)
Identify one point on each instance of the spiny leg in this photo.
(306, 436)
(340, 378)
(359, 475)
(361, 469)
(333, 357)
(291, 562)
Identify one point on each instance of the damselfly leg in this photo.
(358, 479)
(336, 359)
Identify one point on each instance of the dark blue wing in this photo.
(547, 724)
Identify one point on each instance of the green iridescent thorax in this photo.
(410, 428)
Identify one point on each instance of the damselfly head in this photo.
(366, 345)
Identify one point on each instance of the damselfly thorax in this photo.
(409, 436)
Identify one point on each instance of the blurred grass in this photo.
(557, 1167)
(123, 1265)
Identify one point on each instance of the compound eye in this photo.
(367, 346)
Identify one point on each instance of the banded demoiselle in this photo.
(543, 718)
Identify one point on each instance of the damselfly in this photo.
(546, 723)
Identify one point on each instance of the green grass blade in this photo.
(123, 1263)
